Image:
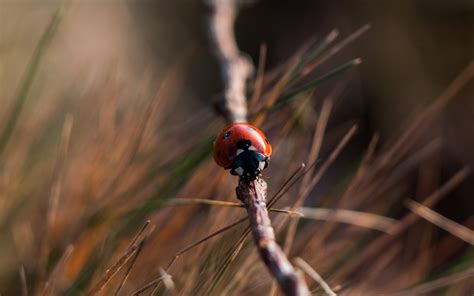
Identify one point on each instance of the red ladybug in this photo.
(242, 148)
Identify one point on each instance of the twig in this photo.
(234, 251)
(314, 275)
(235, 69)
(253, 195)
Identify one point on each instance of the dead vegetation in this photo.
(80, 179)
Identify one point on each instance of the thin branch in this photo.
(253, 195)
(235, 249)
(235, 66)
(235, 69)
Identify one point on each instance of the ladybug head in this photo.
(249, 163)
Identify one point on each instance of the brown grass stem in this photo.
(449, 225)
(314, 275)
(133, 247)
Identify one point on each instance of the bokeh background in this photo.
(106, 115)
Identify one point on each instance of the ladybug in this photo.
(242, 148)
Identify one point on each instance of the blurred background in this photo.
(106, 117)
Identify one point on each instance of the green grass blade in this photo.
(336, 71)
(315, 52)
(27, 82)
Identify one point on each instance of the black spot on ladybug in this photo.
(226, 134)
(244, 144)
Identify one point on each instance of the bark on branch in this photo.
(235, 69)
(253, 196)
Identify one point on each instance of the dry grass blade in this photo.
(317, 139)
(438, 283)
(169, 84)
(450, 226)
(156, 281)
(221, 230)
(24, 285)
(367, 220)
(203, 201)
(314, 275)
(312, 157)
(422, 121)
(332, 157)
(233, 252)
(134, 246)
(431, 200)
(129, 269)
(148, 286)
(49, 286)
(213, 202)
(294, 177)
(257, 89)
(276, 91)
(186, 249)
(379, 244)
(313, 54)
(55, 190)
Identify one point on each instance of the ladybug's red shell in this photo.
(225, 146)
